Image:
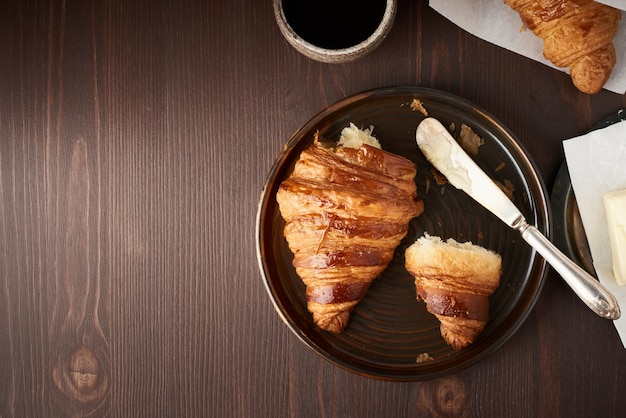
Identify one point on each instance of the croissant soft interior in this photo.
(455, 280)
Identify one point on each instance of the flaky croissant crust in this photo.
(455, 280)
(577, 34)
(345, 212)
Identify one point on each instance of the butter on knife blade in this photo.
(448, 157)
(433, 142)
(438, 146)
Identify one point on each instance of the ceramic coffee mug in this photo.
(335, 31)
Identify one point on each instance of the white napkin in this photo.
(597, 164)
(618, 4)
(495, 22)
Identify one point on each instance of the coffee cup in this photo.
(335, 31)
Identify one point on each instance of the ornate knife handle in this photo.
(590, 290)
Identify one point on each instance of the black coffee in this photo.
(334, 24)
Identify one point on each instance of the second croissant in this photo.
(577, 34)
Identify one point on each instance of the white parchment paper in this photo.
(597, 164)
(618, 4)
(495, 22)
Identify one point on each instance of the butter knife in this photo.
(462, 172)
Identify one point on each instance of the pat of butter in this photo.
(615, 206)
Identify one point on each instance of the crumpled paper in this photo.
(495, 22)
(597, 164)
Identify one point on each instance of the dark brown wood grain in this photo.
(135, 138)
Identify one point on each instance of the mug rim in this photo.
(336, 55)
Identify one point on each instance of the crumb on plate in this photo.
(507, 188)
(417, 104)
(469, 140)
(440, 179)
(424, 357)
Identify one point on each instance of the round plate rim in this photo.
(543, 211)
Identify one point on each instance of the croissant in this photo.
(455, 280)
(345, 212)
(577, 34)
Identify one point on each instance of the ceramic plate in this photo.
(389, 328)
(569, 233)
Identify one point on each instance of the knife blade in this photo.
(447, 156)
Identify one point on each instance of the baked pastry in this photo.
(577, 34)
(455, 280)
(345, 210)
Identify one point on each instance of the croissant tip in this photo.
(335, 323)
(455, 341)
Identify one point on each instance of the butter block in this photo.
(615, 206)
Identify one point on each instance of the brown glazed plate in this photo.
(389, 328)
(569, 233)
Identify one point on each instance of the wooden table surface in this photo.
(135, 138)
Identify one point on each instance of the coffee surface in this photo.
(334, 24)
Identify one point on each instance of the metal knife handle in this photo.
(590, 291)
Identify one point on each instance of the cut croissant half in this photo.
(455, 280)
(345, 210)
(577, 34)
